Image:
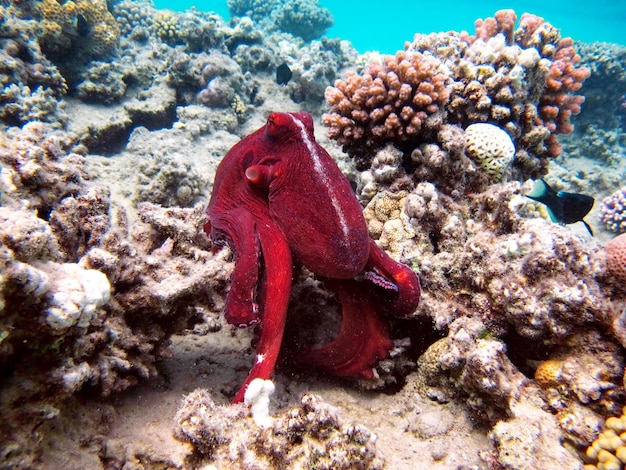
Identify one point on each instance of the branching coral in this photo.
(397, 100)
(614, 211)
(521, 79)
(552, 93)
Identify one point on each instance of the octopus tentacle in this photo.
(273, 298)
(386, 272)
(362, 341)
(241, 308)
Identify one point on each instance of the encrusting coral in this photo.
(616, 257)
(309, 435)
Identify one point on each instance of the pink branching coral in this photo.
(557, 101)
(394, 101)
(522, 79)
(503, 22)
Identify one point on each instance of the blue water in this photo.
(385, 25)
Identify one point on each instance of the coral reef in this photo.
(533, 260)
(522, 80)
(86, 302)
(31, 84)
(522, 326)
(305, 19)
(614, 211)
(494, 281)
(310, 435)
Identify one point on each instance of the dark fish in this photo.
(563, 207)
(82, 27)
(283, 74)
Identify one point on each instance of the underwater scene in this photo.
(295, 234)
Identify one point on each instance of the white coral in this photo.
(491, 147)
(75, 295)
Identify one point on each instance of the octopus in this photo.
(279, 200)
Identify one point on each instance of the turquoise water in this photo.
(384, 26)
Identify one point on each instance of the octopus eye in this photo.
(278, 125)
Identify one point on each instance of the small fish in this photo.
(283, 74)
(82, 27)
(563, 207)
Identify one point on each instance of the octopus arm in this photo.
(362, 341)
(238, 228)
(274, 298)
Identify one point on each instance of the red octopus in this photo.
(279, 199)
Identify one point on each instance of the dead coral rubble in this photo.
(309, 435)
(86, 301)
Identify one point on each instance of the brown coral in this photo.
(608, 451)
(58, 27)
